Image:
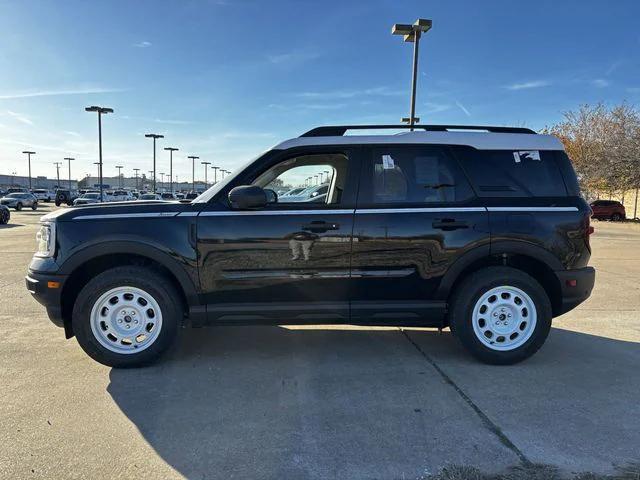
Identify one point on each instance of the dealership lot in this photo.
(317, 401)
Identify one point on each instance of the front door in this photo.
(288, 262)
(416, 215)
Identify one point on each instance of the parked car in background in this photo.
(608, 210)
(180, 196)
(149, 196)
(16, 190)
(120, 196)
(44, 195)
(20, 200)
(87, 198)
(65, 196)
(167, 196)
(5, 215)
(316, 193)
(292, 192)
(191, 195)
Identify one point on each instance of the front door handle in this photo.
(320, 226)
(449, 224)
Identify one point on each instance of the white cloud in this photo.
(19, 117)
(600, 83)
(526, 85)
(345, 94)
(463, 108)
(143, 44)
(436, 107)
(50, 93)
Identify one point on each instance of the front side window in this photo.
(307, 179)
(416, 175)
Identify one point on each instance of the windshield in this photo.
(91, 195)
(17, 195)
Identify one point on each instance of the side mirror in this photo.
(247, 197)
(272, 195)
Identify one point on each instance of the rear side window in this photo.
(514, 173)
(414, 175)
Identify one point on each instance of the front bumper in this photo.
(575, 286)
(47, 290)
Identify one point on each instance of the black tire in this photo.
(469, 292)
(159, 287)
(48, 200)
(5, 216)
(18, 206)
(34, 206)
(616, 217)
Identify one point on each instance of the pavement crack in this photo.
(488, 423)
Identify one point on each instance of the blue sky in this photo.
(226, 79)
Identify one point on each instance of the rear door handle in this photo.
(449, 224)
(320, 226)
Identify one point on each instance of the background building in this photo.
(36, 182)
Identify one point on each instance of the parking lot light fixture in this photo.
(215, 174)
(161, 181)
(119, 167)
(171, 150)
(57, 164)
(29, 153)
(412, 34)
(136, 170)
(100, 111)
(206, 185)
(155, 136)
(69, 160)
(193, 170)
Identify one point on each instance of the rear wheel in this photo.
(5, 216)
(34, 206)
(616, 217)
(126, 316)
(501, 315)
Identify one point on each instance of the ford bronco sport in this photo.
(481, 229)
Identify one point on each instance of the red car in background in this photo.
(608, 210)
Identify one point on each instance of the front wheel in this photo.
(501, 315)
(5, 216)
(18, 206)
(616, 217)
(34, 206)
(126, 316)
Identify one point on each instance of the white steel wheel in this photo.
(126, 320)
(504, 318)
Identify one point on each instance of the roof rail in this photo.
(340, 130)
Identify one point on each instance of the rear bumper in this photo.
(575, 286)
(43, 288)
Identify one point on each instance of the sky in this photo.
(228, 79)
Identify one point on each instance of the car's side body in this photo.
(20, 200)
(43, 194)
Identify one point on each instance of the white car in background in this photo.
(87, 198)
(43, 194)
(149, 196)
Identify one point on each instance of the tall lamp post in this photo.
(101, 111)
(412, 34)
(171, 150)
(69, 160)
(161, 180)
(206, 164)
(193, 170)
(119, 167)
(29, 160)
(136, 170)
(57, 164)
(155, 136)
(326, 172)
(215, 174)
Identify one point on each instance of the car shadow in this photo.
(11, 225)
(272, 402)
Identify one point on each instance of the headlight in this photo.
(46, 240)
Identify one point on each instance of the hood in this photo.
(135, 209)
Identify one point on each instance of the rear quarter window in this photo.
(513, 173)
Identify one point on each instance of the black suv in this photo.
(65, 196)
(484, 232)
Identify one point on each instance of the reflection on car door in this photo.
(287, 262)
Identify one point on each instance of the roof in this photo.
(482, 140)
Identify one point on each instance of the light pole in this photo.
(206, 185)
(69, 160)
(155, 136)
(326, 172)
(193, 170)
(215, 174)
(29, 160)
(136, 170)
(412, 34)
(171, 150)
(161, 181)
(57, 164)
(119, 167)
(101, 111)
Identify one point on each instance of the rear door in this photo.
(416, 215)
